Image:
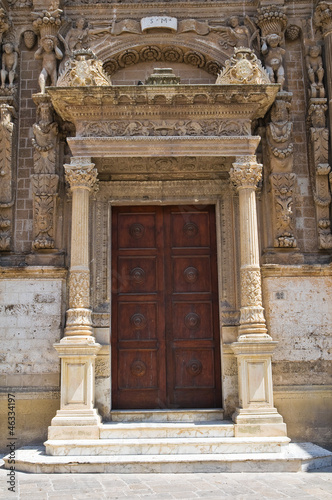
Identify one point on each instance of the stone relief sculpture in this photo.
(44, 181)
(8, 65)
(273, 58)
(6, 175)
(77, 37)
(236, 34)
(279, 136)
(282, 180)
(314, 63)
(49, 53)
(283, 186)
(47, 25)
(319, 136)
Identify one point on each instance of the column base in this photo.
(75, 424)
(265, 422)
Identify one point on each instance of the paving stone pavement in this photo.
(211, 486)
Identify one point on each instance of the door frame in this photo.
(215, 192)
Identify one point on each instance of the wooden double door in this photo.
(165, 326)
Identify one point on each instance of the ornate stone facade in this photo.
(114, 104)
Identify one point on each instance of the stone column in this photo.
(256, 415)
(77, 417)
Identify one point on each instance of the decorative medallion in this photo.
(138, 368)
(137, 230)
(190, 229)
(194, 367)
(243, 68)
(190, 274)
(137, 275)
(138, 321)
(192, 321)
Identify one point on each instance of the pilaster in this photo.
(254, 347)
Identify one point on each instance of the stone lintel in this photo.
(163, 146)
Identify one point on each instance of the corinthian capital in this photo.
(246, 172)
(81, 174)
(323, 17)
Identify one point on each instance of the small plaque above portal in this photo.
(159, 22)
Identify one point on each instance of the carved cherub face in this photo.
(233, 21)
(279, 112)
(314, 50)
(273, 40)
(8, 48)
(80, 23)
(48, 44)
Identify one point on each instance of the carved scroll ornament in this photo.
(246, 172)
(83, 70)
(243, 68)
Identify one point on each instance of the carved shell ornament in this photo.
(83, 69)
(244, 67)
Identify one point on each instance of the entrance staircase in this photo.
(138, 441)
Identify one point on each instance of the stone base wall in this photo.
(31, 319)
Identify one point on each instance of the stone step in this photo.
(165, 446)
(140, 430)
(294, 458)
(188, 415)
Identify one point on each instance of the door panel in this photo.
(165, 328)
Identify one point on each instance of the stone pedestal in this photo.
(253, 349)
(77, 417)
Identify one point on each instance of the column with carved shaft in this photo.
(256, 415)
(77, 417)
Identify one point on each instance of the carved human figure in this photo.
(273, 58)
(242, 35)
(45, 129)
(315, 69)
(9, 65)
(77, 37)
(49, 53)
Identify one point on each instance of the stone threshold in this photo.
(296, 457)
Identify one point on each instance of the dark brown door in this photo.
(165, 328)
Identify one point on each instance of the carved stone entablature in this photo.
(98, 111)
(7, 161)
(323, 17)
(243, 68)
(122, 128)
(283, 186)
(83, 70)
(246, 172)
